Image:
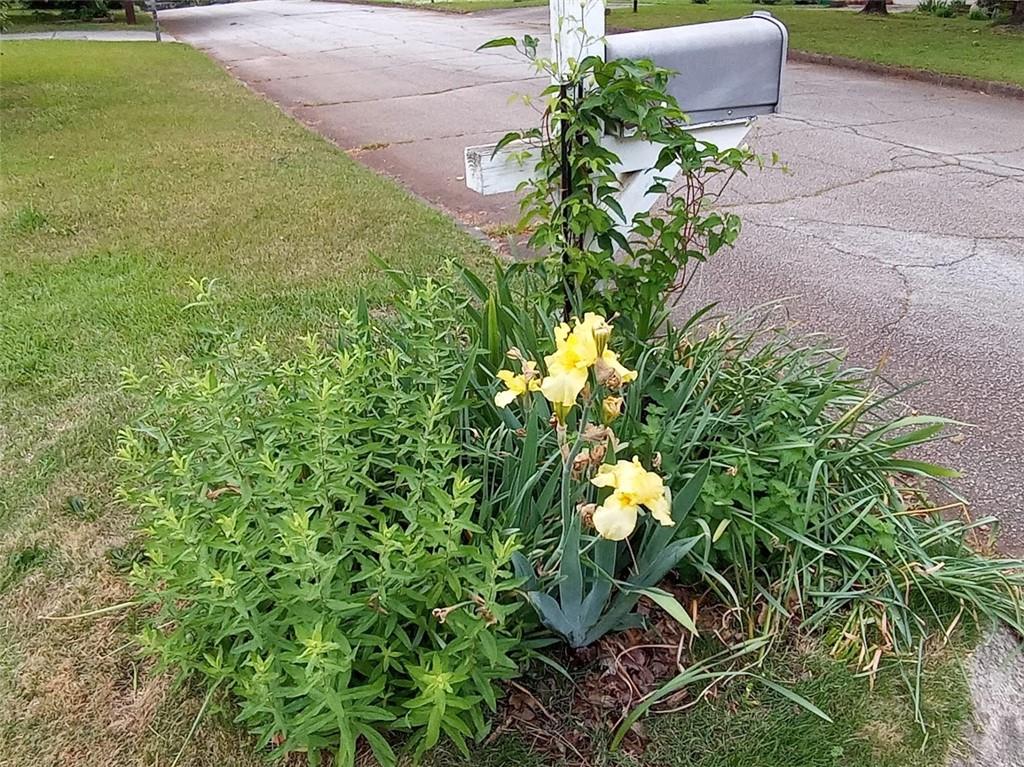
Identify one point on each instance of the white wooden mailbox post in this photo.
(728, 73)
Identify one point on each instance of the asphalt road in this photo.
(899, 230)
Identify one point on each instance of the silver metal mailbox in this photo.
(725, 70)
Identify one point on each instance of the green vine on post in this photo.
(601, 258)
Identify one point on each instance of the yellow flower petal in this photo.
(635, 486)
(614, 519)
(564, 388)
(624, 374)
(517, 385)
(611, 408)
(561, 333)
(599, 328)
(575, 349)
(605, 476)
(505, 398)
(661, 509)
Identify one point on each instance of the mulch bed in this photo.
(571, 723)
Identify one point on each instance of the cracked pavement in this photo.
(898, 230)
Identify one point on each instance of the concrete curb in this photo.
(990, 87)
(96, 36)
(996, 675)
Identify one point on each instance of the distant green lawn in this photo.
(52, 21)
(128, 170)
(956, 46)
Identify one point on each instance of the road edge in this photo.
(988, 87)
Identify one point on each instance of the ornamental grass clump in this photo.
(312, 545)
(807, 512)
(821, 501)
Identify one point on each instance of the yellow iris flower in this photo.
(633, 486)
(517, 385)
(577, 349)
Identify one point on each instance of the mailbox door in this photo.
(724, 69)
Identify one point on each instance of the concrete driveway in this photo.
(402, 90)
(899, 230)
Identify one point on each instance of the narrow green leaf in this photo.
(671, 605)
(499, 42)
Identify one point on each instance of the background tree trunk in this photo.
(129, 11)
(877, 6)
(1017, 13)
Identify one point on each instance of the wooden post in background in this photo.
(129, 11)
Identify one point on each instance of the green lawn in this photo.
(116, 191)
(20, 20)
(745, 725)
(955, 46)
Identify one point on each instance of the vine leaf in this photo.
(499, 42)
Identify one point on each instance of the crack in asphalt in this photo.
(953, 159)
(888, 328)
(440, 92)
(906, 296)
(1008, 238)
(975, 243)
(946, 157)
(824, 190)
(947, 162)
(361, 70)
(1004, 179)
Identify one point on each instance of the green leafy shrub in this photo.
(945, 9)
(84, 10)
(311, 543)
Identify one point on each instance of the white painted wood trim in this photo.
(488, 173)
(635, 198)
(577, 31)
